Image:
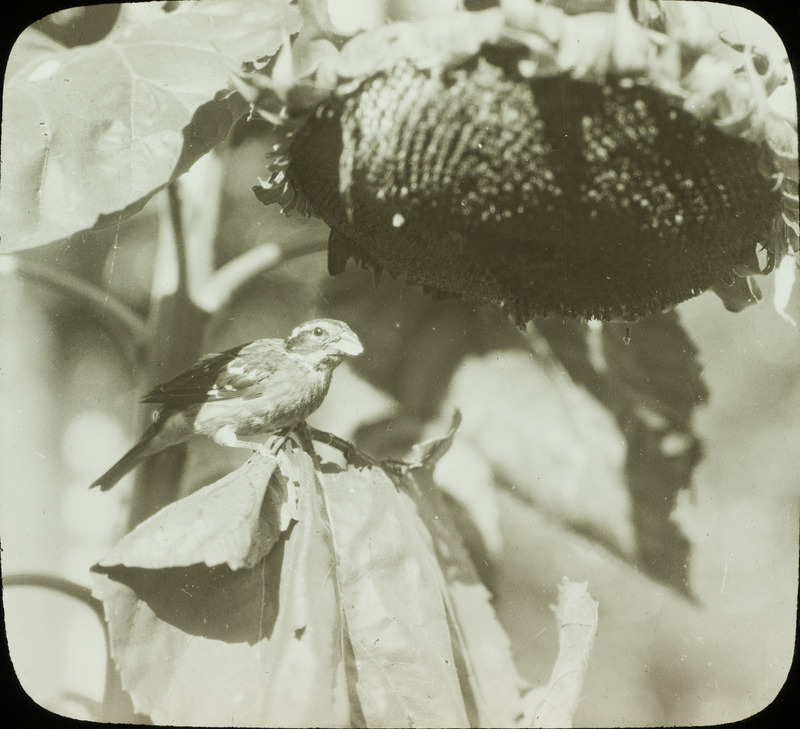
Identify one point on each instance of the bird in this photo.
(269, 386)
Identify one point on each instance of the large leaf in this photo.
(649, 378)
(483, 648)
(91, 133)
(391, 591)
(234, 521)
(215, 646)
(319, 593)
(546, 440)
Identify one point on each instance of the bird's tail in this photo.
(144, 448)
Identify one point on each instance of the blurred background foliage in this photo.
(536, 471)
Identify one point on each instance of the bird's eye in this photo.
(318, 331)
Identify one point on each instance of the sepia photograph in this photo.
(401, 363)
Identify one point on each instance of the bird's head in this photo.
(324, 341)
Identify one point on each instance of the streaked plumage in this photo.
(266, 386)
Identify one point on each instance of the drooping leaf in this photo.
(648, 376)
(561, 417)
(484, 649)
(325, 595)
(547, 440)
(91, 133)
(256, 646)
(405, 669)
(234, 521)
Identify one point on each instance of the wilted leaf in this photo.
(211, 646)
(91, 133)
(576, 612)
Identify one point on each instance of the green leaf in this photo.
(91, 133)
(259, 646)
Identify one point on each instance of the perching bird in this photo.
(266, 386)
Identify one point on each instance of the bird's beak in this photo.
(349, 344)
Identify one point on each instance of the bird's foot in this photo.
(274, 445)
(263, 450)
(278, 443)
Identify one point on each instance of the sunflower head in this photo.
(505, 175)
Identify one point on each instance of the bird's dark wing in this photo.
(229, 374)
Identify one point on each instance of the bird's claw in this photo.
(264, 451)
(273, 447)
(278, 442)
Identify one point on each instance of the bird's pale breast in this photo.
(282, 400)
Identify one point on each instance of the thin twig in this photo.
(227, 279)
(57, 584)
(133, 325)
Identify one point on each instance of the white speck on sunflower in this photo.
(673, 445)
